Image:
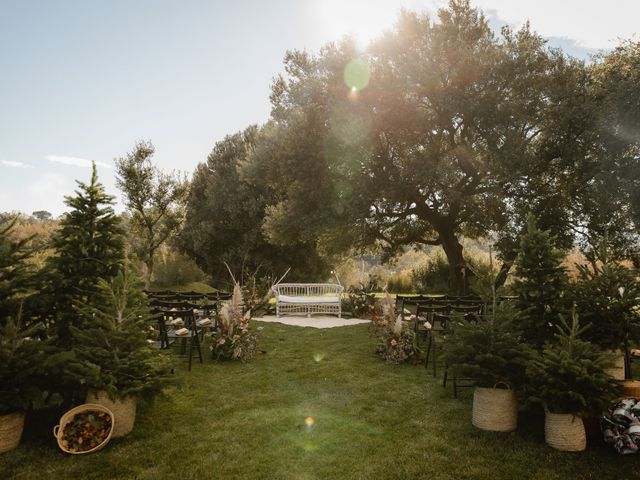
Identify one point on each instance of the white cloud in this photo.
(75, 161)
(12, 164)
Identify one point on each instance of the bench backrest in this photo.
(307, 289)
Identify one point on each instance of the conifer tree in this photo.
(15, 277)
(114, 338)
(88, 246)
(540, 284)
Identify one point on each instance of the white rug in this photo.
(316, 321)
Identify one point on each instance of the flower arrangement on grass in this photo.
(232, 337)
(396, 341)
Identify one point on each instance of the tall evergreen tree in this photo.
(540, 284)
(88, 246)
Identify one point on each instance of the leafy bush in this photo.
(396, 340)
(433, 276)
(401, 282)
(569, 375)
(232, 337)
(177, 269)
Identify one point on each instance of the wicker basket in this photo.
(124, 411)
(58, 430)
(495, 409)
(565, 432)
(11, 426)
(631, 388)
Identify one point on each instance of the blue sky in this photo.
(84, 80)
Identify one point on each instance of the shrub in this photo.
(177, 269)
(433, 276)
(401, 282)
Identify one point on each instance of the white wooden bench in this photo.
(308, 298)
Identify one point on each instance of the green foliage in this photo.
(433, 276)
(21, 360)
(154, 199)
(232, 338)
(89, 246)
(489, 351)
(177, 269)
(225, 215)
(540, 284)
(607, 295)
(113, 338)
(396, 340)
(569, 375)
(401, 282)
(15, 277)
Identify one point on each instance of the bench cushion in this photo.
(306, 300)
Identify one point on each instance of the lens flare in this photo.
(309, 422)
(356, 74)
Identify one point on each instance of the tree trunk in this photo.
(503, 273)
(457, 269)
(147, 279)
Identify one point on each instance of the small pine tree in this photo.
(607, 295)
(114, 338)
(15, 277)
(489, 352)
(88, 246)
(569, 375)
(541, 283)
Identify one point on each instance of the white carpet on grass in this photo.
(316, 321)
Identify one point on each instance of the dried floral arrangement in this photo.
(232, 337)
(396, 340)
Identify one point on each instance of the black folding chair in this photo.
(191, 335)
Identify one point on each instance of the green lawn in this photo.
(372, 421)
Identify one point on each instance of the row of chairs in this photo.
(183, 321)
(435, 318)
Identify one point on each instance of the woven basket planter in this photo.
(565, 432)
(11, 426)
(495, 409)
(631, 388)
(617, 371)
(58, 430)
(123, 408)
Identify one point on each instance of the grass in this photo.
(371, 421)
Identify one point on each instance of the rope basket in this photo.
(564, 432)
(123, 408)
(495, 409)
(11, 427)
(631, 388)
(58, 430)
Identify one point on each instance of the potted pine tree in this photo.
(112, 337)
(607, 295)
(491, 354)
(569, 379)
